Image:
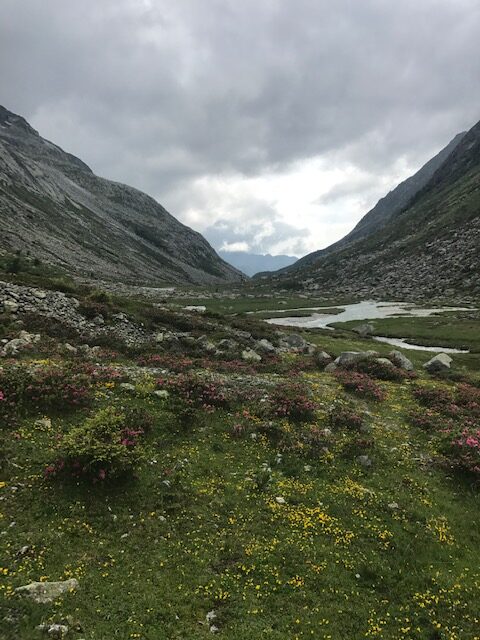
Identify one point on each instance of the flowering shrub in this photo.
(433, 397)
(462, 445)
(428, 420)
(292, 400)
(360, 384)
(196, 391)
(453, 416)
(344, 415)
(105, 446)
(381, 370)
(41, 388)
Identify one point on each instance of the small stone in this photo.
(364, 461)
(393, 505)
(57, 630)
(280, 500)
(127, 386)
(161, 393)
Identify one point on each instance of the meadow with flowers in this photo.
(193, 496)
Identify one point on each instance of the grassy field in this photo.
(276, 538)
(452, 329)
(254, 508)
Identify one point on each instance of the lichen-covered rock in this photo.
(44, 592)
(249, 355)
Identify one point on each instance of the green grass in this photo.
(253, 303)
(453, 329)
(335, 561)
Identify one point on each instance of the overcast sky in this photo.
(267, 125)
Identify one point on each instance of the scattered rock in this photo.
(386, 362)
(364, 460)
(364, 330)
(331, 367)
(440, 362)
(401, 360)
(323, 358)
(10, 306)
(265, 346)
(249, 355)
(294, 341)
(25, 341)
(161, 393)
(347, 358)
(53, 630)
(44, 592)
(127, 386)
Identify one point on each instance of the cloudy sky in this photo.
(268, 125)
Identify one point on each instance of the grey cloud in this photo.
(158, 94)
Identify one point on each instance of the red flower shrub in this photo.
(361, 384)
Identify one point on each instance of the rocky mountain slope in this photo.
(428, 244)
(54, 206)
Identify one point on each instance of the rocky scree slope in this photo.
(54, 206)
(430, 247)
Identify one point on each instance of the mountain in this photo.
(252, 263)
(426, 243)
(55, 207)
(390, 205)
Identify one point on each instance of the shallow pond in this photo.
(368, 310)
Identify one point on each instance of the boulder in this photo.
(364, 330)
(44, 592)
(401, 360)
(440, 362)
(294, 341)
(206, 344)
(227, 344)
(331, 367)
(386, 362)
(10, 306)
(25, 340)
(249, 355)
(264, 346)
(323, 358)
(347, 358)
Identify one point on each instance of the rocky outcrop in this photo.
(18, 301)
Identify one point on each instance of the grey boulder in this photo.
(440, 362)
(401, 360)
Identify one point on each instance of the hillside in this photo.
(53, 206)
(252, 263)
(430, 246)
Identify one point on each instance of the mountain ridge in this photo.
(54, 206)
(430, 246)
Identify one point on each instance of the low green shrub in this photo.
(103, 447)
